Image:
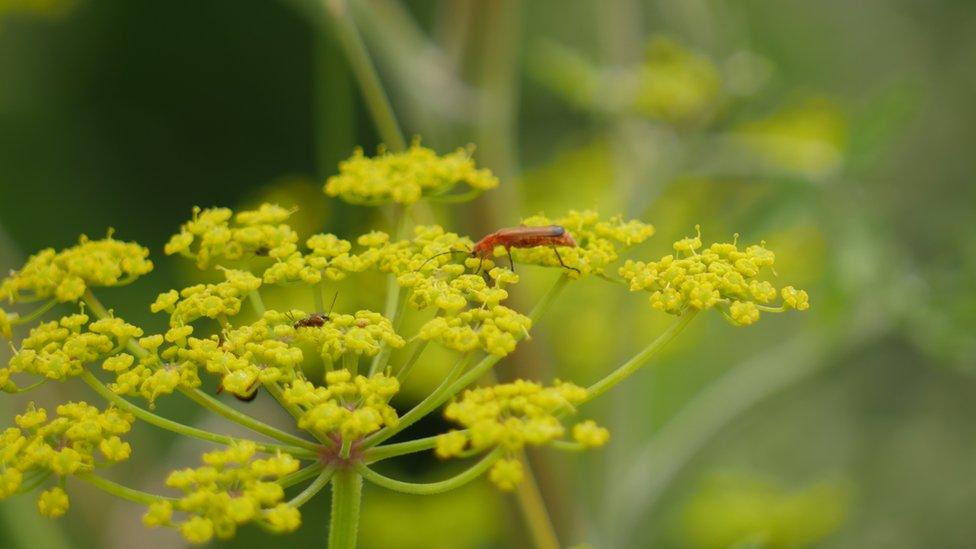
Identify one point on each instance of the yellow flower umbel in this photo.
(598, 242)
(212, 235)
(720, 276)
(158, 372)
(347, 408)
(406, 177)
(216, 301)
(60, 349)
(512, 415)
(64, 276)
(230, 490)
(65, 445)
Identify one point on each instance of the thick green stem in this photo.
(430, 488)
(347, 490)
(182, 429)
(369, 81)
(123, 492)
(640, 359)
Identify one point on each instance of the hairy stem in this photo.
(347, 490)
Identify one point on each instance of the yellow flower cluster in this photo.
(6, 324)
(358, 335)
(350, 407)
(217, 301)
(675, 84)
(253, 354)
(64, 445)
(720, 276)
(406, 177)
(495, 330)
(157, 372)
(511, 416)
(230, 490)
(599, 242)
(65, 275)
(212, 235)
(59, 349)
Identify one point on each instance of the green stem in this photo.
(394, 303)
(35, 314)
(405, 369)
(301, 475)
(415, 414)
(123, 492)
(445, 391)
(534, 510)
(362, 66)
(182, 429)
(637, 361)
(400, 448)
(256, 302)
(314, 488)
(214, 405)
(429, 488)
(347, 490)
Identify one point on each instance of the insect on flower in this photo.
(316, 320)
(520, 237)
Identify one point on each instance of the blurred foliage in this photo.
(836, 131)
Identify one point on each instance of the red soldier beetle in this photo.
(519, 237)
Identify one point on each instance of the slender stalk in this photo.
(394, 302)
(405, 369)
(301, 475)
(182, 429)
(369, 81)
(429, 488)
(35, 314)
(628, 368)
(256, 302)
(388, 451)
(123, 492)
(347, 490)
(534, 509)
(314, 488)
(214, 405)
(445, 391)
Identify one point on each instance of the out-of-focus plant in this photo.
(740, 510)
(333, 371)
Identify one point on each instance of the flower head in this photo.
(65, 275)
(63, 445)
(406, 177)
(216, 233)
(598, 242)
(348, 407)
(229, 490)
(675, 84)
(215, 301)
(60, 348)
(721, 276)
(511, 416)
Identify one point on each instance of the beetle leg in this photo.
(565, 266)
(511, 262)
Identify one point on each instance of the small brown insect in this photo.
(316, 320)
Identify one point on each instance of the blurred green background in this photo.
(836, 131)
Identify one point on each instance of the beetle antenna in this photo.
(435, 256)
(332, 306)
